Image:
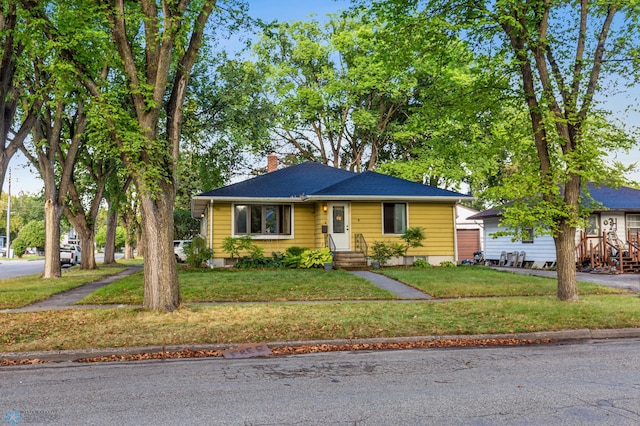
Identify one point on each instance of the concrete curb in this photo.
(60, 356)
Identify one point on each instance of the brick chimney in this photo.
(272, 163)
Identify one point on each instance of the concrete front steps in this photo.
(350, 260)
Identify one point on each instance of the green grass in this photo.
(77, 329)
(232, 285)
(23, 291)
(330, 313)
(476, 281)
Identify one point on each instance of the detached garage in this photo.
(468, 233)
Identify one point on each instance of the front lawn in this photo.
(278, 322)
(340, 306)
(478, 281)
(233, 285)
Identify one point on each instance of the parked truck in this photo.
(70, 254)
(178, 249)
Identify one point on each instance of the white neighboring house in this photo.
(70, 237)
(469, 233)
(614, 225)
(540, 250)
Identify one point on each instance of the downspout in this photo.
(210, 230)
(455, 233)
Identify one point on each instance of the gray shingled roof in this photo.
(606, 198)
(294, 181)
(314, 180)
(376, 184)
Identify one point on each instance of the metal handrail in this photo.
(361, 245)
(328, 242)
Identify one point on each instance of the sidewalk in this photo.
(68, 299)
(401, 290)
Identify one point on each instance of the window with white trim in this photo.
(258, 219)
(633, 225)
(527, 235)
(593, 225)
(394, 218)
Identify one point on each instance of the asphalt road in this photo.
(592, 382)
(19, 268)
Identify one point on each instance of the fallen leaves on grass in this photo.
(306, 349)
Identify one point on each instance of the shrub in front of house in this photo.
(421, 263)
(315, 258)
(382, 251)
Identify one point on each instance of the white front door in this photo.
(339, 226)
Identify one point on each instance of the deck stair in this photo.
(604, 250)
(350, 260)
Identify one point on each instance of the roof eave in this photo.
(424, 198)
(200, 202)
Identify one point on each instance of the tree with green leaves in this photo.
(155, 46)
(86, 191)
(365, 91)
(225, 118)
(170, 38)
(31, 235)
(560, 55)
(53, 152)
(18, 109)
(337, 99)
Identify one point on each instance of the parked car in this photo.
(70, 254)
(178, 249)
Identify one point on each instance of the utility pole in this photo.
(8, 235)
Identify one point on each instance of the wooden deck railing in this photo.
(601, 250)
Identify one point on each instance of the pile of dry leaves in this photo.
(302, 349)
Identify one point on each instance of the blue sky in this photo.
(294, 10)
(288, 10)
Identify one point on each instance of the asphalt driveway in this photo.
(626, 281)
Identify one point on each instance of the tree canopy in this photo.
(559, 56)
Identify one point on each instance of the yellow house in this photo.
(314, 206)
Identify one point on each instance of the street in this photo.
(591, 382)
(18, 268)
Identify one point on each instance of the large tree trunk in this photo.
(140, 242)
(110, 242)
(128, 216)
(130, 236)
(566, 263)
(128, 250)
(87, 243)
(52, 215)
(161, 289)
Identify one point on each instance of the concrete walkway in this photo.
(401, 290)
(68, 299)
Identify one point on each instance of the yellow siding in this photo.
(366, 218)
(437, 219)
(304, 230)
